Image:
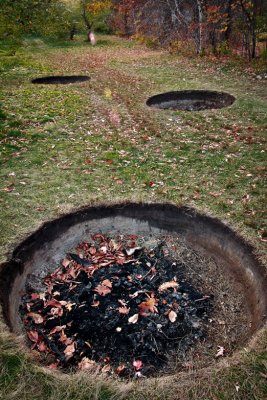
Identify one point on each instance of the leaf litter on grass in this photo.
(114, 306)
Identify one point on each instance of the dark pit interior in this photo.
(216, 260)
(60, 80)
(191, 100)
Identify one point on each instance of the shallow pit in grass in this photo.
(191, 100)
(61, 79)
(212, 265)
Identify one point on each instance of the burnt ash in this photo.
(97, 322)
(60, 80)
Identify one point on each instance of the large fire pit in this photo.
(60, 80)
(194, 273)
(191, 100)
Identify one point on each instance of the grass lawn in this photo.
(65, 146)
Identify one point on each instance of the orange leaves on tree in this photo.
(96, 7)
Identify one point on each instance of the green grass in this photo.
(67, 146)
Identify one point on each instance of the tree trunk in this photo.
(88, 24)
(200, 27)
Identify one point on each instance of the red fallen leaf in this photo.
(35, 296)
(57, 329)
(107, 283)
(124, 310)
(92, 250)
(147, 137)
(119, 182)
(42, 347)
(109, 161)
(65, 262)
(138, 364)
(8, 189)
(131, 237)
(37, 318)
(53, 303)
(148, 306)
(121, 368)
(120, 260)
(58, 311)
(65, 340)
(102, 290)
(86, 162)
(33, 336)
(69, 351)
(151, 184)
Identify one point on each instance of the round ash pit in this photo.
(134, 290)
(60, 80)
(191, 100)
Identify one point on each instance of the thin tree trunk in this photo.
(200, 27)
(88, 24)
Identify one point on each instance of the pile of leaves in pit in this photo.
(112, 306)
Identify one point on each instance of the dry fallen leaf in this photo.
(148, 306)
(133, 319)
(172, 316)
(168, 285)
(135, 294)
(220, 352)
(69, 351)
(106, 368)
(121, 368)
(33, 336)
(107, 283)
(65, 262)
(57, 329)
(124, 310)
(42, 347)
(86, 364)
(104, 288)
(37, 318)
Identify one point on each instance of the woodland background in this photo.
(183, 26)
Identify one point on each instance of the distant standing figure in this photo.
(92, 38)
